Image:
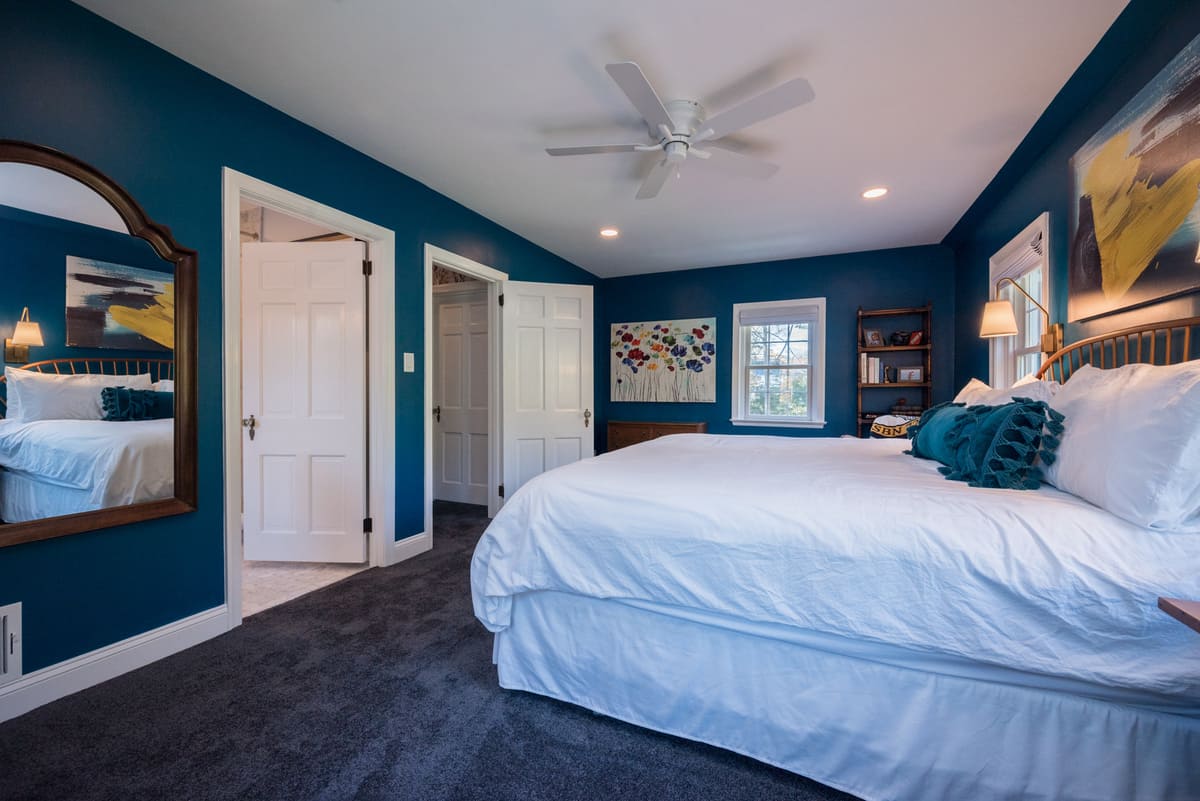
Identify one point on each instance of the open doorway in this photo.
(304, 380)
(309, 396)
(462, 384)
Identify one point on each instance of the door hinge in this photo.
(367, 525)
(501, 488)
(501, 298)
(368, 269)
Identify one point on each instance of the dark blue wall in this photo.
(163, 130)
(1147, 35)
(878, 279)
(33, 251)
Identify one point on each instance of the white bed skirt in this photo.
(880, 730)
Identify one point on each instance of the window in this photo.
(1024, 260)
(779, 363)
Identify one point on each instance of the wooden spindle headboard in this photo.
(159, 370)
(1169, 342)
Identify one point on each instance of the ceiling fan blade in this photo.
(733, 161)
(657, 178)
(782, 98)
(587, 151)
(633, 83)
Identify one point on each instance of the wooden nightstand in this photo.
(1186, 612)
(622, 434)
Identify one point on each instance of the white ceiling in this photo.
(44, 191)
(928, 97)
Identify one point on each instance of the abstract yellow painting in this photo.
(118, 306)
(1135, 223)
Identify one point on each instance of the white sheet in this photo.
(878, 721)
(24, 497)
(114, 463)
(856, 539)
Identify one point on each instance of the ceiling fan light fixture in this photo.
(610, 232)
(875, 192)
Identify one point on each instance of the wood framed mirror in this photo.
(99, 319)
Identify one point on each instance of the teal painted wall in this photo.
(1147, 35)
(163, 130)
(877, 279)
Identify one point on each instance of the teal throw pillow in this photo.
(937, 435)
(124, 404)
(1001, 446)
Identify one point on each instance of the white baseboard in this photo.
(409, 547)
(58, 681)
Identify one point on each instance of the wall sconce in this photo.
(999, 320)
(27, 332)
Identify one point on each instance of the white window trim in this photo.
(1022, 254)
(741, 354)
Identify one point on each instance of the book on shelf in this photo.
(870, 369)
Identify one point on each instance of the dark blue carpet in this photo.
(378, 687)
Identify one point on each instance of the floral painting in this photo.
(667, 362)
(1135, 217)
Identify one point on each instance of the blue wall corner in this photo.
(876, 279)
(1144, 38)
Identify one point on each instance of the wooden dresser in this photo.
(622, 433)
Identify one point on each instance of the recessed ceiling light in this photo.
(875, 192)
(609, 232)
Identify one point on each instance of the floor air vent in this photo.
(10, 643)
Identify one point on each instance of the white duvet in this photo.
(856, 539)
(116, 463)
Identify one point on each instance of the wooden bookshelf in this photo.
(873, 403)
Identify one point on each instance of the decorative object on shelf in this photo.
(664, 362)
(116, 306)
(999, 320)
(26, 333)
(1135, 184)
(881, 365)
(890, 426)
(911, 375)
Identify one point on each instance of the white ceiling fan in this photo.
(678, 126)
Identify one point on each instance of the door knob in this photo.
(250, 423)
(587, 417)
(437, 413)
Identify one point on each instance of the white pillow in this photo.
(166, 385)
(36, 396)
(978, 393)
(1131, 443)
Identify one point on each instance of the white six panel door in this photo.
(303, 379)
(460, 395)
(548, 382)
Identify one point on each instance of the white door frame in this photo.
(435, 255)
(381, 368)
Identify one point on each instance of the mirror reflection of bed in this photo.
(87, 314)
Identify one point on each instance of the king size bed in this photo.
(840, 609)
(58, 456)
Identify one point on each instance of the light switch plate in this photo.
(410, 364)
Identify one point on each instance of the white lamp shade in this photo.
(998, 319)
(27, 333)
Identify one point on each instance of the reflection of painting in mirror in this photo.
(118, 306)
(1135, 223)
(83, 427)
